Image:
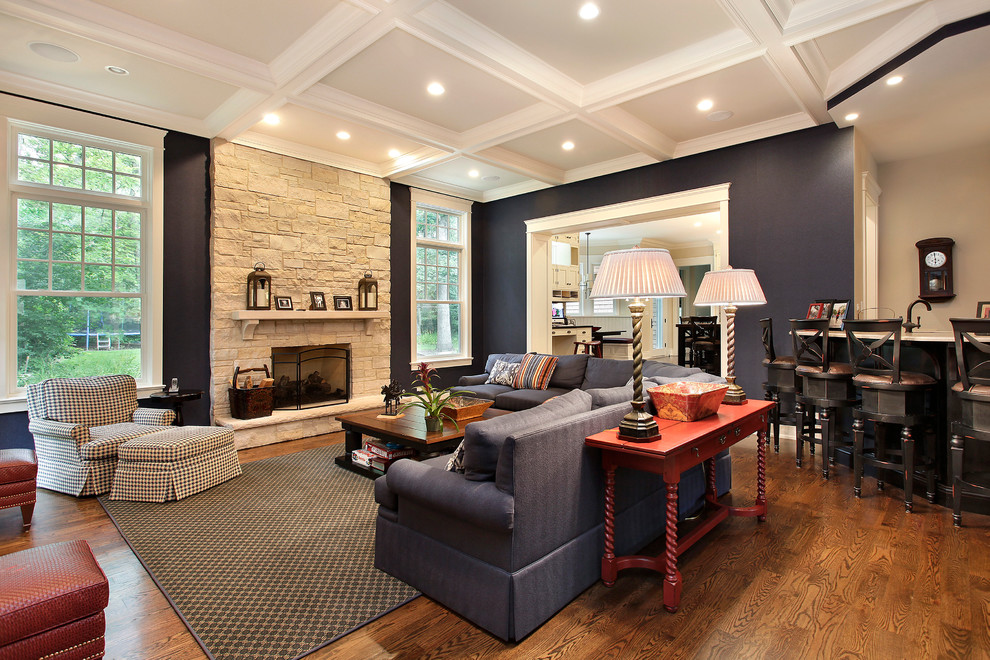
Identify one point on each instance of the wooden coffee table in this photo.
(408, 431)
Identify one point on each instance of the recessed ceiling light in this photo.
(895, 80)
(271, 118)
(588, 11)
(474, 174)
(117, 70)
(567, 146)
(435, 88)
(852, 116)
(719, 115)
(718, 231)
(706, 105)
(53, 51)
(394, 153)
(343, 135)
(698, 223)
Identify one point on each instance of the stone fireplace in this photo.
(316, 228)
(311, 376)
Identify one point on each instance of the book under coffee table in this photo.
(408, 430)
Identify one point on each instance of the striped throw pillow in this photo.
(534, 372)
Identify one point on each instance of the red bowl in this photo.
(686, 401)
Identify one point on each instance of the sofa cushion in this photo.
(535, 371)
(483, 440)
(505, 357)
(606, 373)
(609, 396)
(503, 373)
(653, 368)
(526, 399)
(489, 392)
(95, 401)
(456, 461)
(569, 372)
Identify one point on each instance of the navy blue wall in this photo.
(790, 219)
(186, 323)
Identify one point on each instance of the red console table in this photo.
(682, 445)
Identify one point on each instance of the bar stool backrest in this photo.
(768, 349)
(873, 355)
(703, 328)
(810, 340)
(972, 352)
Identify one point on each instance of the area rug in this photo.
(272, 564)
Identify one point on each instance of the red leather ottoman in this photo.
(18, 470)
(51, 603)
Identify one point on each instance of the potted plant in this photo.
(430, 399)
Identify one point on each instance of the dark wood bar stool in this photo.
(781, 379)
(703, 343)
(593, 347)
(889, 396)
(973, 392)
(825, 385)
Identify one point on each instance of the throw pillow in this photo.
(534, 372)
(503, 373)
(456, 461)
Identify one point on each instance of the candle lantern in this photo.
(367, 293)
(259, 288)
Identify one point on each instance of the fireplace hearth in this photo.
(311, 376)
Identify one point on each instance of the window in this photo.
(603, 306)
(572, 308)
(85, 278)
(441, 228)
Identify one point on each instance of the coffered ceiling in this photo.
(520, 78)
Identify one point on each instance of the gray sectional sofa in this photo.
(603, 379)
(520, 533)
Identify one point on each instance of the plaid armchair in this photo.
(78, 423)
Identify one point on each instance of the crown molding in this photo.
(749, 133)
(814, 62)
(515, 189)
(432, 185)
(307, 153)
(812, 19)
(101, 24)
(100, 105)
(608, 167)
(415, 161)
(346, 106)
(325, 36)
(456, 32)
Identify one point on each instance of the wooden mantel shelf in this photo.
(250, 318)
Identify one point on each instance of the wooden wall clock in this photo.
(935, 268)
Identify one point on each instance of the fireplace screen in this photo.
(311, 376)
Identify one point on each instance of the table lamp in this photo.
(730, 288)
(638, 273)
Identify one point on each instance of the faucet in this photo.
(908, 326)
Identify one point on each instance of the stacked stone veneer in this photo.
(316, 228)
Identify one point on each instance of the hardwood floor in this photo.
(826, 576)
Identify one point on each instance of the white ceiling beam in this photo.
(340, 104)
(517, 124)
(758, 131)
(240, 112)
(510, 160)
(811, 19)
(631, 131)
(101, 24)
(755, 18)
(334, 29)
(463, 37)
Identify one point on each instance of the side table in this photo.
(176, 399)
(682, 446)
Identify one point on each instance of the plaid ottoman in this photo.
(174, 463)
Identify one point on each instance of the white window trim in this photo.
(456, 205)
(23, 113)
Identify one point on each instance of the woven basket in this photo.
(466, 407)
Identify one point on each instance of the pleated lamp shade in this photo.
(637, 273)
(731, 286)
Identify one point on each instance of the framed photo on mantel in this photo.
(317, 301)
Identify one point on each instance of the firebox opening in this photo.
(311, 376)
